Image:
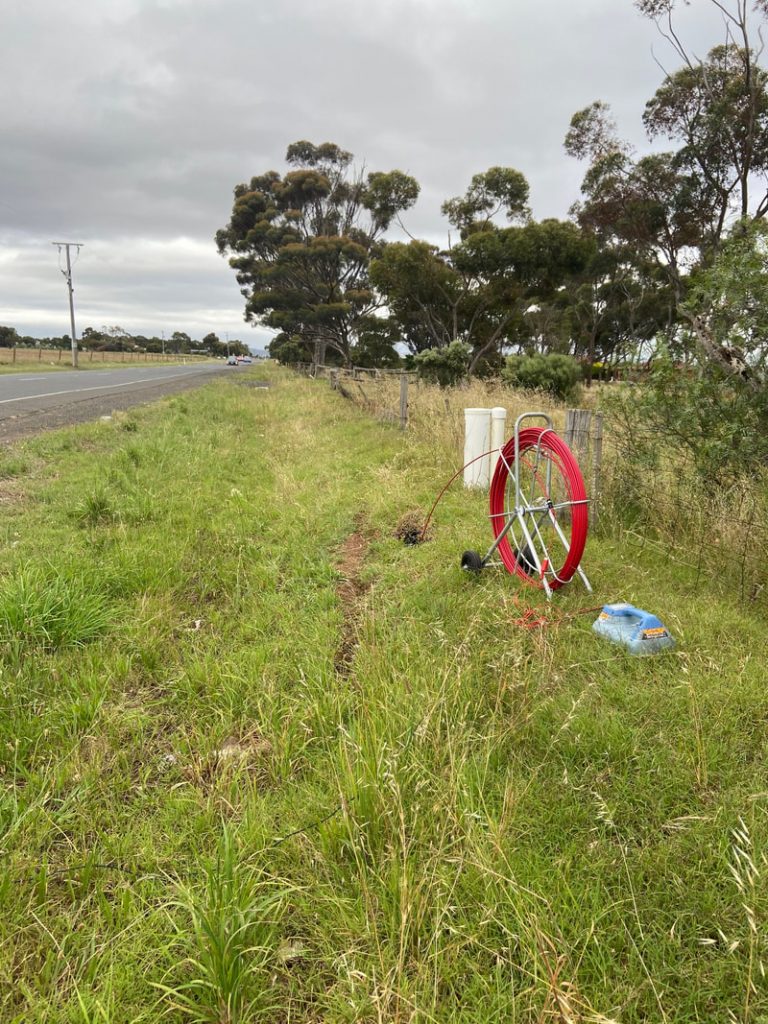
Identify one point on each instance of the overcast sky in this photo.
(125, 125)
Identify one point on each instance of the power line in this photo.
(68, 278)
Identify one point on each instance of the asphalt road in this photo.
(42, 401)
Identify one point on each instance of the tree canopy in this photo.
(301, 243)
(477, 292)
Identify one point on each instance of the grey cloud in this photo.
(128, 122)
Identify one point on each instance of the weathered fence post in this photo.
(577, 423)
(360, 388)
(570, 419)
(403, 401)
(584, 435)
(14, 354)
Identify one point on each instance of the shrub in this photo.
(444, 366)
(705, 414)
(557, 374)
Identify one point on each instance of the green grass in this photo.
(204, 819)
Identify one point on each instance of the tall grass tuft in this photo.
(50, 610)
(95, 507)
(228, 932)
(13, 466)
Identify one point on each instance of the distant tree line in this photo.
(630, 277)
(115, 339)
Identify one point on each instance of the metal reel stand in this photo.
(538, 509)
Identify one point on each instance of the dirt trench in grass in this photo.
(351, 591)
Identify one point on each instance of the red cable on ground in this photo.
(438, 499)
(563, 459)
(533, 618)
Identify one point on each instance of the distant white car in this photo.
(231, 360)
(244, 359)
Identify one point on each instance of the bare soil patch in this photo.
(351, 590)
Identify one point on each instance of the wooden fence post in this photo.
(14, 354)
(570, 427)
(577, 427)
(584, 435)
(366, 401)
(403, 401)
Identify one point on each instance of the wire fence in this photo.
(717, 534)
(382, 393)
(63, 356)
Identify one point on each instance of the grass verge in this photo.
(52, 364)
(251, 769)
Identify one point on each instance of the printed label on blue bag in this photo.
(654, 634)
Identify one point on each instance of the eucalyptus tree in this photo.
(716, 108)
(478, 290)
(677, 205)
(301, 244)
(431, 302)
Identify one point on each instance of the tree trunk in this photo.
(591, 356)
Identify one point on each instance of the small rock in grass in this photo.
(291, 950)
(240, 750)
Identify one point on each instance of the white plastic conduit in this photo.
(498, 434)
(477, 439)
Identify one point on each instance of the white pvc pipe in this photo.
(477, 439)
(498, 434)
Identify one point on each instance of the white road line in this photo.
(100, 387)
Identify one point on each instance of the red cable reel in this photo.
(538, 510)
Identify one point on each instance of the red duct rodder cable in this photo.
(556, 478)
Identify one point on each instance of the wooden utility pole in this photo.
(68, 278)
